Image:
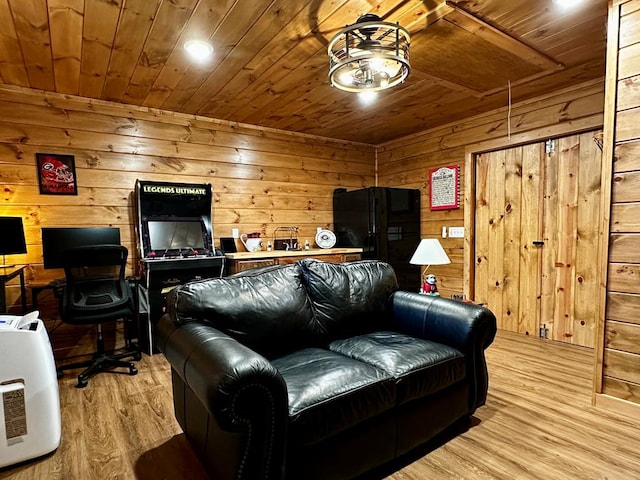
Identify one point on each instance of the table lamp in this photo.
(429, 252)
(11, 238)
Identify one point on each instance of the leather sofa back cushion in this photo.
(268, 311)
(348, 298)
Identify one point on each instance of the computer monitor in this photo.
(12, 238)
(57, 239)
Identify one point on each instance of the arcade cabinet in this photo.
(175, 243)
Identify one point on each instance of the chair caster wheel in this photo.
(137, 357)
(132, 369)
(82, 383)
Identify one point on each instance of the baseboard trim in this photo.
(617, 405)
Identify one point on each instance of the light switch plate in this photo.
(456, 232)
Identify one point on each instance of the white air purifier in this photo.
(30, 423)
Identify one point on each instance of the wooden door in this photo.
(536, 237)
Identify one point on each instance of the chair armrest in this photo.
(466, 327)
(241, 390)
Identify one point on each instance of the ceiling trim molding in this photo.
(481, 29)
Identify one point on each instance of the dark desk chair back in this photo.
(96, 291)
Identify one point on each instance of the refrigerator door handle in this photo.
(372, 216)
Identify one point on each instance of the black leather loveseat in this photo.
(318, 370)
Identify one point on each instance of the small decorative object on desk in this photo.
(251, 241)
(325, 239)
(430, 285)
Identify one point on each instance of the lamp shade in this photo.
(12, 236)
(429, 252)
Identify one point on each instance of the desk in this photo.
(6, 274)
(54, 285)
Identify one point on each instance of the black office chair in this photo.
(96, 291)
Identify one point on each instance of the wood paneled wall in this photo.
(262, 178)
(618, 357)
(406, 162)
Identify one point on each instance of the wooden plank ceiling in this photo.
(270, 62)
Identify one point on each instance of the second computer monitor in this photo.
(57, 239)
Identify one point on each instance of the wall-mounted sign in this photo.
(172, 189)
(56, 174)
(444, 188)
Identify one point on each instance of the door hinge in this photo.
(549, 146)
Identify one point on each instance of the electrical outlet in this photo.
(456, 232)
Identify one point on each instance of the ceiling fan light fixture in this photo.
(384, 80)
(367, 96)
(198, 49)
(346, 78)
(369, 55)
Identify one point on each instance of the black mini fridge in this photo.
(385, 223)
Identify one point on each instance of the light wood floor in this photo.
(538, 424)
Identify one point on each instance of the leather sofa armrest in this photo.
(466, 327)
(242, 391)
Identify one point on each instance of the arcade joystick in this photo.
(152, 254)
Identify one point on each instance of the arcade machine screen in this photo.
(175, 235)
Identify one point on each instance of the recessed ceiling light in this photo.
(567, 3)
(198, 49)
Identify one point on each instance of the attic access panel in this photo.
(466, 52)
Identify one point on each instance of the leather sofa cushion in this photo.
(348, 298)
(329, 393)
(268, 311)
(420, 367)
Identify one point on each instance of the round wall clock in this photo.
(325, 239)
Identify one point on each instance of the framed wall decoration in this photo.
(444, 188)
(56, 174)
